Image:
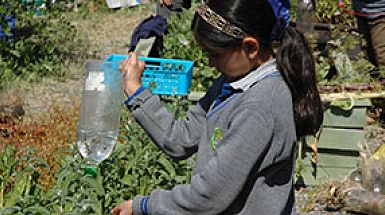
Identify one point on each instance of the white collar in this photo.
(255, 75)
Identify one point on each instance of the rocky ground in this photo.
(328, 198)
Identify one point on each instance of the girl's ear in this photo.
(251, 47)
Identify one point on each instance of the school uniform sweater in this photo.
(245, 168)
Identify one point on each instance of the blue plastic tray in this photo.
(170, 76)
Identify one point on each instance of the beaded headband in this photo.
(219, 22)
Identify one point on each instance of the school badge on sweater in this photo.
(216, 138)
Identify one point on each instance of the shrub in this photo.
(40, 47)
(179, 43)
(328, 12)
(136, 166)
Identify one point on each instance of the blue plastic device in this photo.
(170, 76)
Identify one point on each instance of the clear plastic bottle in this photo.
(98, 123)
(306, 16)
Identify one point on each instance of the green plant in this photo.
(6, 10)
(300, 168)
(74, 192)
(328, 12)
(179, 43)
(340, 66)
(85, 9)
(178, 105)
(344, 72)
(19, 181)
(47, 133)
(136, 166)
(41, 46)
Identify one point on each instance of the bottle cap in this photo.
(91, 171)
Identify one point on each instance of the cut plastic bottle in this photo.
(99, 119)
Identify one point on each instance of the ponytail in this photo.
(296, 64)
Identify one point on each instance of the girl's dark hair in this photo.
(296, 64)
(294, 58)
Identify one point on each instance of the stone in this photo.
(11, 106)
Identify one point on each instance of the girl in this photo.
(246, 126)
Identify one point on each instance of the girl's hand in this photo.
(166, 2)
(124, 208)
(132, 69)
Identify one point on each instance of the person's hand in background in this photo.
(166, 2)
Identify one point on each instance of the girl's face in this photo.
(232, 62)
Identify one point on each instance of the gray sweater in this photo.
(249, 171)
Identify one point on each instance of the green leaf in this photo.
(128, 180)
(121, 147)
(65, 187)
(18, 191)
(36, 209)
(15, 53)
(42, 162)
(94, 184)
(7, 211)
(123, 137)
(64, 151)
(167, 165)
(141, 151)
(344, 105)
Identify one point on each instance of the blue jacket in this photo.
(156, 25)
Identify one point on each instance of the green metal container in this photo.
(337, 147)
